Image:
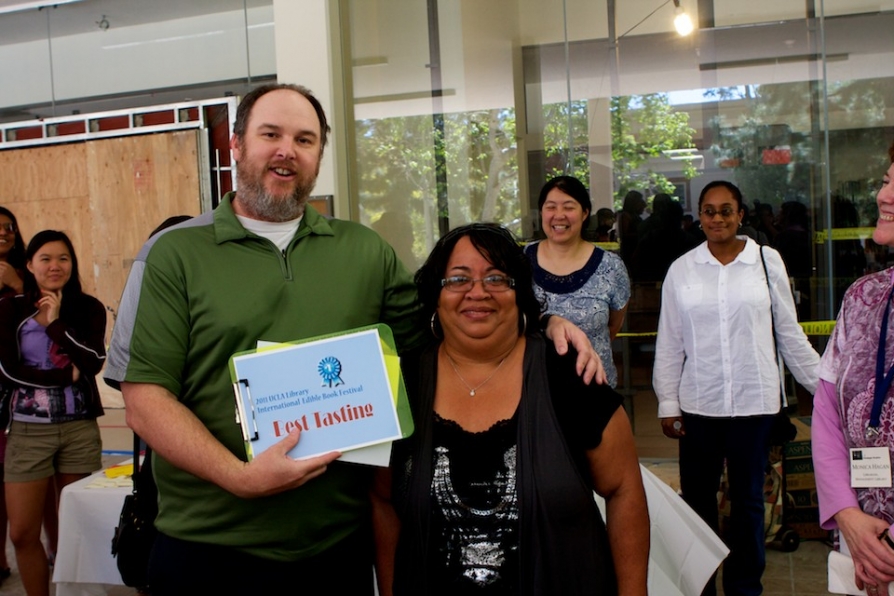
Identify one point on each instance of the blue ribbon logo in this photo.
(330, 369)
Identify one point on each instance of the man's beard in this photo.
(259, 204)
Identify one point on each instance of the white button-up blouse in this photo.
(714, 355)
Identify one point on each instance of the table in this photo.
(87, 521)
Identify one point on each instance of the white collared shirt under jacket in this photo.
(714, 354)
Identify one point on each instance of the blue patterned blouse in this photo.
(585, 297)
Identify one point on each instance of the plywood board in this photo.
(136, 183)
(46, 188)
(107, 195)
(39, 173)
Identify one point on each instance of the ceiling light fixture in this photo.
(682, 22)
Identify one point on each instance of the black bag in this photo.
(783, 429)
(136, 531)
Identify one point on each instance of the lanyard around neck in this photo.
(882, 380)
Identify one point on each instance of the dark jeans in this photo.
(742, 442)
(178, 567)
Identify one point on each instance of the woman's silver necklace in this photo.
(471, 389)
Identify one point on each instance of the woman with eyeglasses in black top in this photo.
(493, 493)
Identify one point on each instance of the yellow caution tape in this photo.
(818, 327)
(842, 234)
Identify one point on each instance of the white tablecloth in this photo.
(87, 520)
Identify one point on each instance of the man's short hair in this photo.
(248, 102)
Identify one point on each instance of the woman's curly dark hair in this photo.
(502, 250)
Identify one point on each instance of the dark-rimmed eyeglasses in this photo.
(491, 283)
(9, 228)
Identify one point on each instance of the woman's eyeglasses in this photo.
(491, 283)
(8, 228)
(725, 212)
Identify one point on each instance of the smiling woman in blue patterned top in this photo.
(576, 279)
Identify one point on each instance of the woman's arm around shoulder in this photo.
(85, 342)
(616, 476)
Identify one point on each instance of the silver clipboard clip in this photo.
(241, 418)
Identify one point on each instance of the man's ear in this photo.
(235, 146)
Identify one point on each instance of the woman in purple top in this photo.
(849, 416)
(52, 345)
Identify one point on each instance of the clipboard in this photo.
(343, 390)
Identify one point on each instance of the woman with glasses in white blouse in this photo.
(717, 376)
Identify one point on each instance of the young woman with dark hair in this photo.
(52, 345)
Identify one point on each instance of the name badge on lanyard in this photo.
(882, 379)
(870, 467)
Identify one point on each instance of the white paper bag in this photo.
(841, 575)
(684, 552)
(684, 548)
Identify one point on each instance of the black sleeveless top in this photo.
(510, 510)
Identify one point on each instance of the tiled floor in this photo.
(801, 573)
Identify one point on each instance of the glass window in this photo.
(463, 112)
(472, 106)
